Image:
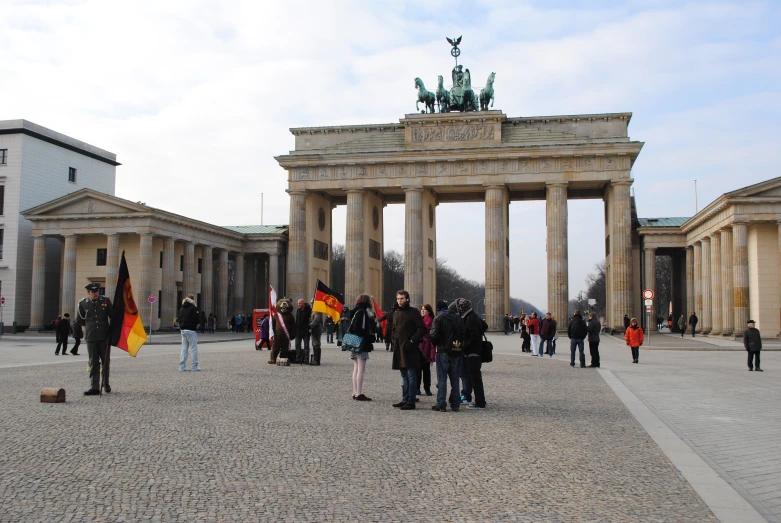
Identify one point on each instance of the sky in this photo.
(197, 97)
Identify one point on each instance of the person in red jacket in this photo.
(533, 326)
(634, 337)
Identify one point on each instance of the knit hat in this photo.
(463, 305)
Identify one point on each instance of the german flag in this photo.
(127, 332)
(328, 301)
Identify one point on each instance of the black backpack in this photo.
(455, 345)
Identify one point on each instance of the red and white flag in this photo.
(272, 300)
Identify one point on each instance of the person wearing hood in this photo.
(408, 331)
(634, 337)
(473, 350)
(577, 330)
(447, 332)
(188, 325)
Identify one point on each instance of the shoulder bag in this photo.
(352, 342)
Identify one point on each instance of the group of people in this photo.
(63, 330)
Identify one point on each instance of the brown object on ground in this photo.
(52, 395)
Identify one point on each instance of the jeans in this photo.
(466, 385)
(409, 386)
(189, 344)
(573, 344)
(329, 337)
(550, 348)
(635, 353)
(448, 368)
(475, 364)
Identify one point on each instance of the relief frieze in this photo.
(452, 133)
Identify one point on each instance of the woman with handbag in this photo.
(358, 340)
(428, 350)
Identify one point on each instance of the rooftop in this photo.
(662, 222)
(257, 229)
(53, 137)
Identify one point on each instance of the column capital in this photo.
(622, 181)
(557, 184)
(740, 219)
(494, 186)
(414, 188)
(355, 191)
(296, 193)
(649, 249)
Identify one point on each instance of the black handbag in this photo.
(488, 350)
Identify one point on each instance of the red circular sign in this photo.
(648, 294)
(2, 301)
(151, 299)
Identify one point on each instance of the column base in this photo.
(714, 333)
(727, 334)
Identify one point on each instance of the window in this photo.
(1, 244)
(3, 156)
(72, 174)
(200, 261)
(101, 259)
(161, 259)
(181, 262)
(2, 198)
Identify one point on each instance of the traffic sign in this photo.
(648, 308)
(648, 294)
(151, 299)
(2, 302)
(648, 303)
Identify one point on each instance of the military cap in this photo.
(92, 287)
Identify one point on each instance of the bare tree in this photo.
(337, 269)
(596, 288)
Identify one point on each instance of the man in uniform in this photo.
(94, 313)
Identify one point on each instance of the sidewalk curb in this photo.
(723, 500)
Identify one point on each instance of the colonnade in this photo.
(213, 291)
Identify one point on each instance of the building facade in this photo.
(36, 166)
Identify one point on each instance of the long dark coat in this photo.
(408, 330)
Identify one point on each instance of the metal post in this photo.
(261, 208)
(151, 307)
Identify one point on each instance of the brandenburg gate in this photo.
(477, 155)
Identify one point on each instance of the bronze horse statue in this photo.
(443, 96)
(427, 97)
(487, 93)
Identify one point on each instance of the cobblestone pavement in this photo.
(248, 441)
(727, 415)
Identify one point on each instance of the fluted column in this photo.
(354, 278)
(296, 250)
(168, 305)
(707, 292)
(698, 284)
(222, 289)
(38, 284)
(689, 283)
(779, 250)
(68, 302)
(144, 277)
(621, 250)
(207, 280)
(112, 262)
(238, 285)
(273, 273)
(496, 202)
(650, 280)
(740, 276)
(557, 250)
(727, 296)
(188, 269)
(413, 245)
(715, 282)
(250, 285)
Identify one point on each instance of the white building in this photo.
(38, 165)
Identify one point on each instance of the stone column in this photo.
(496, 202)
(221, 311)
(740, 276)
(188, 269)
(250, 285)
(273, 273)
(689, 283)
(168, 305)
(707, 291)
(354, 278)
(622, 250)
(413, 245)
(715, 282)
(38, 294)
(238, 285)
(207, 280)
(557, 250)
(112, 262)
(697, 285)
(297, 248)
(727, 297)
(650, 281)
(145, 277)
(68, 302)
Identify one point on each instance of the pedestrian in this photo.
(210, 321)
(303, 316)
(202, 322)
(526, 342)
(188, 325)
(428, 350)
(506, 324)
(752, 341)
(474, 328)
(362, 323)
(78, 334)
(316, 331)
(53, 325)
(682, 324)
(516, 323)
(626, 322)
(577, 331)
(634, 337)
(264, 337)
(389, 327)
(238, 323)
(408, 331)
(693, 320)
(593, 326)
(94, 313)
(329, 330)
(63, 332)
(341, 328)
(533, 326)
(547, 333)
(447, 332)
(232, 323)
